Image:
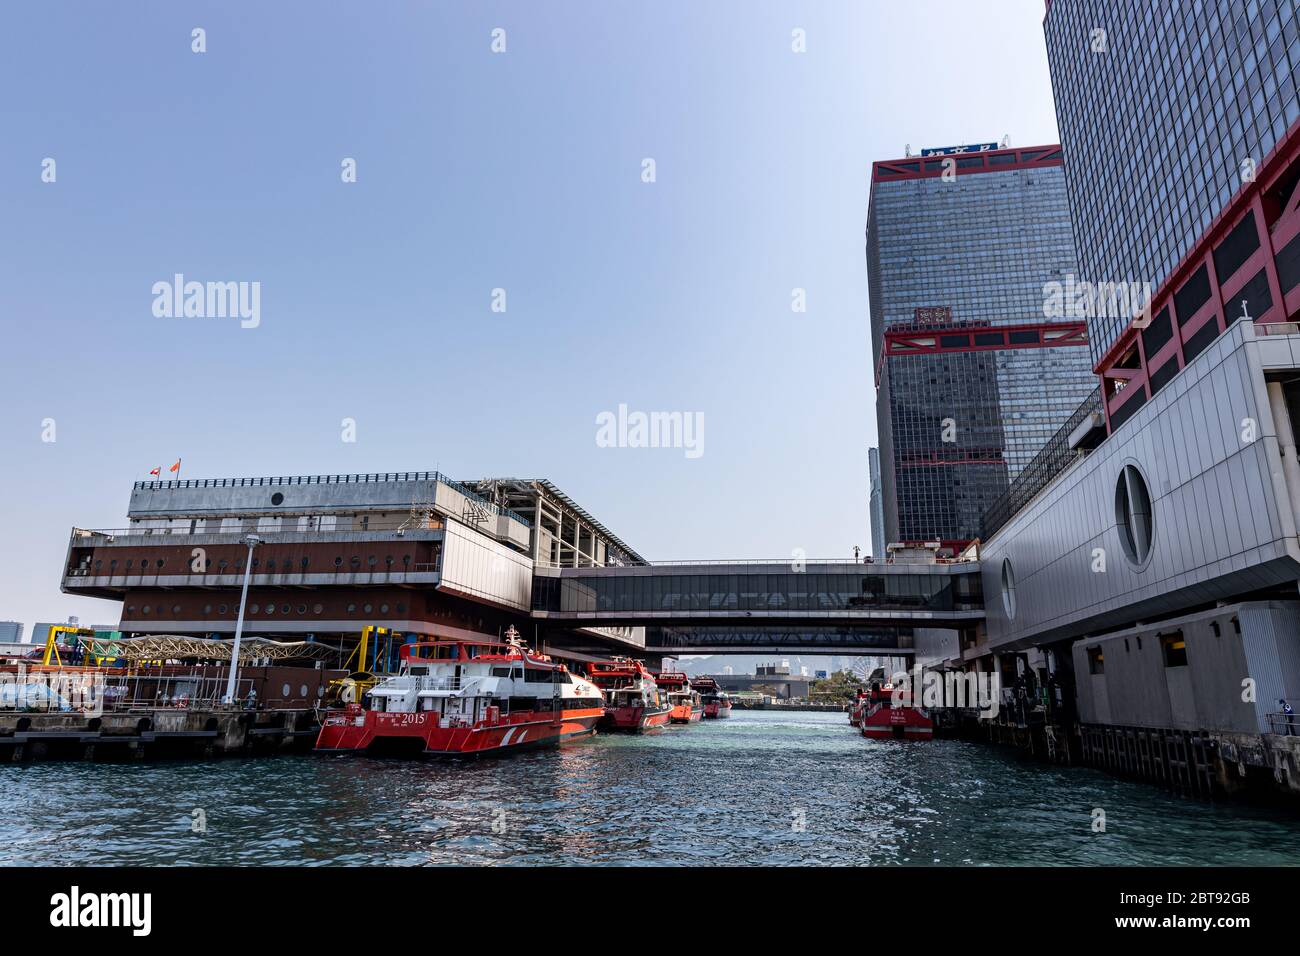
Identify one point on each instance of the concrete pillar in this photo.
(1286, 446)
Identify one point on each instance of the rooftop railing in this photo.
(281, 480)
(789, 563)
(289, 527)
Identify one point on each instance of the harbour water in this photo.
(757, 788)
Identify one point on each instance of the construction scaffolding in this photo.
(176, 647)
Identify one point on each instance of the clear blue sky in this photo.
(475, 171)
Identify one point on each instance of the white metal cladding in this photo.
(155, 503)
(1137, 687)
(475, 565)
(1269, 635)
(311, 497)
(1217, 529)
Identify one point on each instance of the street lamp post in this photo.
(252, 541)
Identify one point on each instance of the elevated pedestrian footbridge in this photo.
(748, 606)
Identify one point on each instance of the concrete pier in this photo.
(161, 732)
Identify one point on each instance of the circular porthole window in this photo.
(1133, 515)
(286, 690)
(1008, 589)
(277, 499)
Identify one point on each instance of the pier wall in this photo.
(161, 732)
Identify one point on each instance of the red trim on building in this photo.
(992, 161)
(927, 461)
(985, 338)
(903, 340)
(1277, 222)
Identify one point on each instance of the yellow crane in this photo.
(51, 641)
(350, 689)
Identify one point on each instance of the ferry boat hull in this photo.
(716, 710)
(685, 714)
(358, 732)
(898, 723)
(856, 710)
(633, 720)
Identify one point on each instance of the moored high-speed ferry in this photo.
(467, 697)
(716, 701)
(684, 702)
(861, 701)
(892, 715)
(633, 701)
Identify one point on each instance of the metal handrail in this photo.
(274, 480)
(1289, 724)
(787, 562)
(143, 532)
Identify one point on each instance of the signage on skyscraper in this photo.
(949, 150)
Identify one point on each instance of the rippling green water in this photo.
(759, 787)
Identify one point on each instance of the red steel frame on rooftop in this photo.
(966, 164)
(1273, 198)
(914, 340)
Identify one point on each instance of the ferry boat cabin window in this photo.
(534, 676)
(500, 672)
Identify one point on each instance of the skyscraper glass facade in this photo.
(949, 259)
(876, 503)
(1162, 109)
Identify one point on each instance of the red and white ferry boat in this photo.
(861, 701)
(893, 716)
(463, 697)
(717, 703)
(684, 702)
(633, 701)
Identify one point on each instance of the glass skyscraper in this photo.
(973, 377)
(876, 503)
(1164, 110)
